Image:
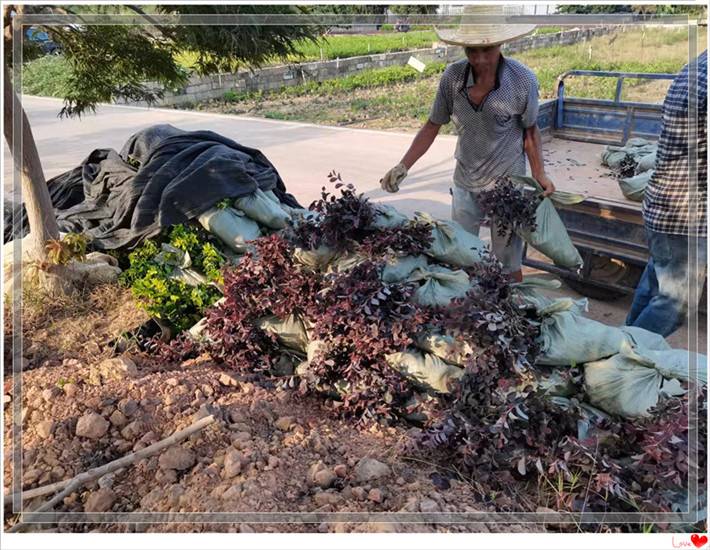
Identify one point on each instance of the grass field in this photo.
(399, 98)
(46, 76)
(341, 46)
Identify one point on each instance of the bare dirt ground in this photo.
(269, 450)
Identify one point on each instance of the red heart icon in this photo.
(699, 541)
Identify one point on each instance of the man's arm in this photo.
(421, 143)
(441, 113)
(532, 144)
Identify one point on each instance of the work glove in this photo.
(391, 180)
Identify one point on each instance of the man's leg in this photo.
(645, 291)
(465, 211)
(666, 311)
(509, 252)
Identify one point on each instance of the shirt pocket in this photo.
(503, 122)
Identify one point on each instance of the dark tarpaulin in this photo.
(163, 176)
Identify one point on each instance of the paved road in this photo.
(303, 153)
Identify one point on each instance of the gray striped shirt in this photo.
(490, 136)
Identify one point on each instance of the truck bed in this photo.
(606, 222)
(576, 167)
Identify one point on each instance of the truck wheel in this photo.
(610, 271)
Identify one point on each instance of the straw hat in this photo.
(476, 31)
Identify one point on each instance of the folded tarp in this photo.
(163, 176)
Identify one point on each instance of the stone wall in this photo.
(201, 89)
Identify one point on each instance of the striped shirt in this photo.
(666, 199)
(490, 135)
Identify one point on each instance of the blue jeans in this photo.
(661, 298)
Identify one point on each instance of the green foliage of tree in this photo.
(585, 9)
(412, 9)
(643, 9)
(108, 62)
(349, 9)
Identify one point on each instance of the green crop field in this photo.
(341, 46)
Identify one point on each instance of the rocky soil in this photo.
(269, 451)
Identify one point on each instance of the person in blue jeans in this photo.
(661, 299)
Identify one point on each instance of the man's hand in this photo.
(546, 183)
(391, 180)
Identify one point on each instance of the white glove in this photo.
(391, 180)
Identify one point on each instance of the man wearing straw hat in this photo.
(493, 103)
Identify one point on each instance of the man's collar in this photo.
(470, 80)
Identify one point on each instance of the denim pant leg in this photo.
(465, 211)
(667, 309)
(646, 289)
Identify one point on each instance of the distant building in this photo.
(513, 9)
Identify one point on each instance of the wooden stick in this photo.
(37, 492)
(75, 483)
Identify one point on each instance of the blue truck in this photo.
(43, 40)
(606, 227)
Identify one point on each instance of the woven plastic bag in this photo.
(645, 339)
(672, 363)
(635, 148)
(181, 263)
(528, 292)
(231, 226)
(569, 338)
(440, 285)
(646, 163)
(290, 332)
(631, 382)
(97, 268)
(633, 188)
(425, 369)
(317, 259)
(399, 269)
(451, 243)
(387, 216)
(261, 208)
(550, 236)
(445, 347)
(555, 382)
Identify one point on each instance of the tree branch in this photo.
(146, 17)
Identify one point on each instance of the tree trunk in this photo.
(40, 213)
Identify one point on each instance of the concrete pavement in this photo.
(304, 154)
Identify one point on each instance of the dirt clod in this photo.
(92, 425)
(177, 458)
